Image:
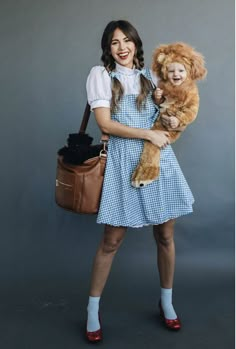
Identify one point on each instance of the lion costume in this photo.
(181, 101)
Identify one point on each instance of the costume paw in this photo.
(144, 175)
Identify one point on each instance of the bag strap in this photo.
(84, 123)
(85, 119)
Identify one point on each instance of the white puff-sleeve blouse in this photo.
(98, 84)
(98, 88)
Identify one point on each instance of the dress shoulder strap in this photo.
(147, 73)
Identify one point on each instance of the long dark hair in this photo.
(109, 62)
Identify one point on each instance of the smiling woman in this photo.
(121, 95)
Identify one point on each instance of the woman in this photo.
(120, 94)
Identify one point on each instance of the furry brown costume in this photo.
(181, 101)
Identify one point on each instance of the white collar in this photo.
(124, 70)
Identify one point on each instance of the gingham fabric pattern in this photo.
(166, 198)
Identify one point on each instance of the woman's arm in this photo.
(111, 127)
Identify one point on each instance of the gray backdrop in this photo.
(47, 50)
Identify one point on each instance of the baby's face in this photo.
(176, 73)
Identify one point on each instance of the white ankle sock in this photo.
(166, 302)
(93, 323)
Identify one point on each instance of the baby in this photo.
(177, 66)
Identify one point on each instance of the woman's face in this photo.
(122, 49)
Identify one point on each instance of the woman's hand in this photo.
(159, 138)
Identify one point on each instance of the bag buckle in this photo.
(103, 152)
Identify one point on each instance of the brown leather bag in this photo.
(79, 187)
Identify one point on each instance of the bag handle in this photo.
(85, 119)
(84, 123)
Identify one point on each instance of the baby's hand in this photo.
(158, 93)
(174, 122)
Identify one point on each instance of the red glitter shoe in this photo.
(95, 336)
(173, 325)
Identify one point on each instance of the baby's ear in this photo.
(160, 58)
(198, 70)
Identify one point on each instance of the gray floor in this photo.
(50, 314)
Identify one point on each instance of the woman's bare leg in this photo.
(164, 236)
(111, 241)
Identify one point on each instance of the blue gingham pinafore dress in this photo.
(166, 198)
